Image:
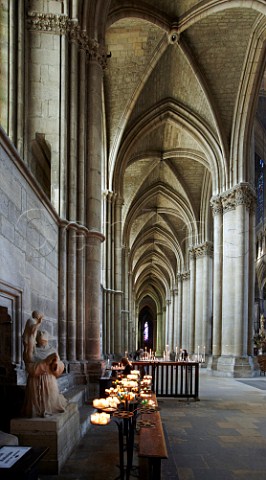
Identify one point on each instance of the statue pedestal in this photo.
(60, 433)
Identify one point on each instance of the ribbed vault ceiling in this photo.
(170, 105)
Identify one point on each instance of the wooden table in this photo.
(152, 446)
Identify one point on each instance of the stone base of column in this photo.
(237, 367)
(95, 371)
(212, 362)
(61, 433)
(78, 372)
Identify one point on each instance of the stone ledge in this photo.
(60, 433)
(8, 439)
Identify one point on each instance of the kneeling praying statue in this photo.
(43, 365)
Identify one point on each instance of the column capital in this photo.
(185, 275)
(241, 194)
(47, 22)
(204, 250)
(108, 195)
(62, 25)
(118, 200)
(216, 205)
(81, 230)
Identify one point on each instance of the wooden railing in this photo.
(171, 379)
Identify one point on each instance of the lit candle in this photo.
(100, 418)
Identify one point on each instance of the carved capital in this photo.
(186, 275)
(216, 205)
(228, 200)
(245, 195)
(62, 25)
(47, 22)
(241, 194)
(94, 51)
(204, 250)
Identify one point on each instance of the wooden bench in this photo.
(152, 446)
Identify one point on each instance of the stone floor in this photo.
(220, 437)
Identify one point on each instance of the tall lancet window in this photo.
(146, 332)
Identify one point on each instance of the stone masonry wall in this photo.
(28, 241)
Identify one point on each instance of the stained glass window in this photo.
(146, 332)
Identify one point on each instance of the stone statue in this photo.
(262, 320)
(43, 365)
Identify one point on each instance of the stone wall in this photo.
(29, 249)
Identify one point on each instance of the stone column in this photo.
(125, 310)
(245, 197)
(96, 61)
(175, 317)
(160, 341)
(131, 319)
(203, 312)
(13, 57)
(118, 276)
(217, 274)
(59, 173)
(81, 122)
(207, 276)
(168, 325)
(252, 257)
(62, 293)
(178, 339)
(191, 332)
(73, 134)
(231, 255)
(185, 310)
(71, 295)
(93, 304)
(236, 236)
(109, 318)
(199, 289)
(81, 245)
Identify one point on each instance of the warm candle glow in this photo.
(100, 403)
(100, 418)
(132, 376)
